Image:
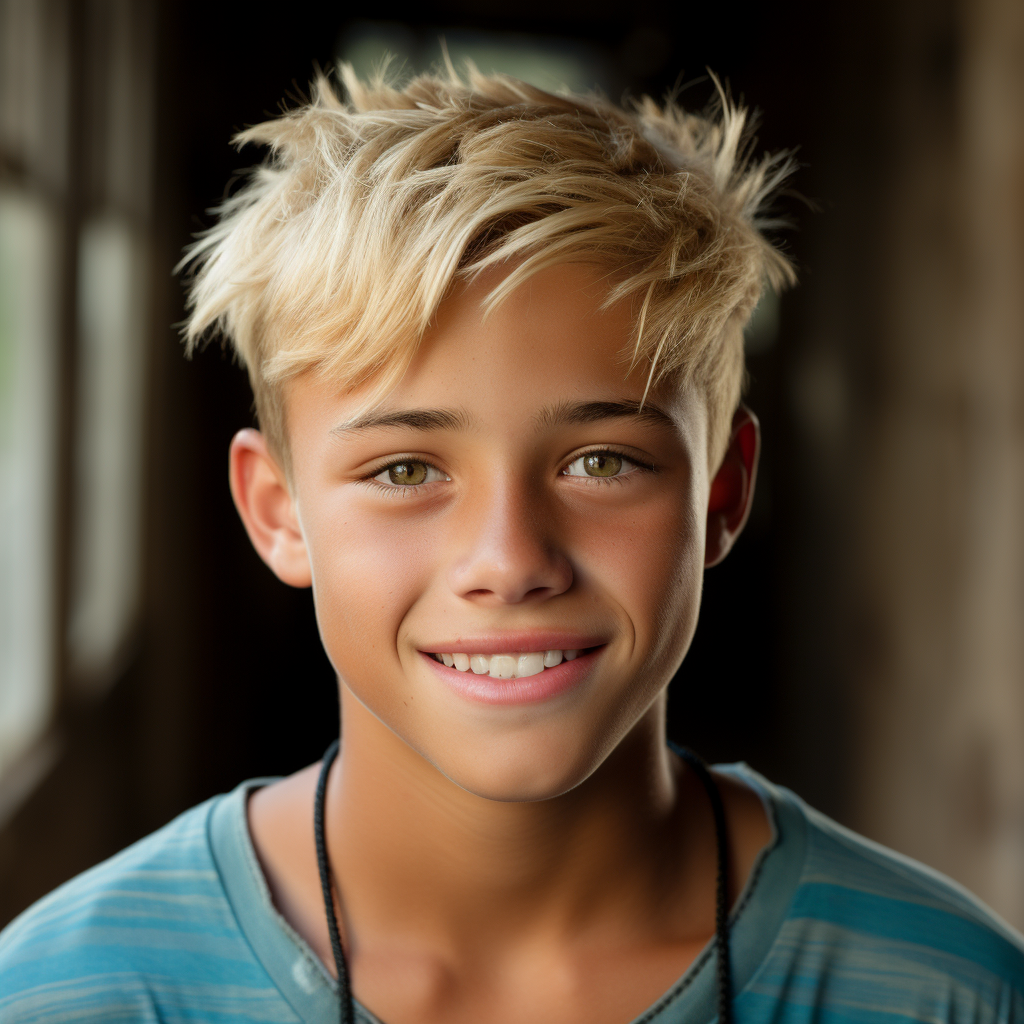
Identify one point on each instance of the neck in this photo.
(457, 868)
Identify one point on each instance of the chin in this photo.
(520, 773)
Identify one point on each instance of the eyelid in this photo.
(628, 454)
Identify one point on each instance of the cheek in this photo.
(368, 570)
(649, 560)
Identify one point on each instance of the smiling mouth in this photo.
(509, 666)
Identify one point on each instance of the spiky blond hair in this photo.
(335, 254)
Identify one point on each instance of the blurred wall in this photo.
(938, 577)
(859, 644)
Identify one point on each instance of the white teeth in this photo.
(507, 666)
(529, 665)
(503, 666)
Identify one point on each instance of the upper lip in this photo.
(517, 642)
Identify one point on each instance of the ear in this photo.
(732, 489)
(264, 501)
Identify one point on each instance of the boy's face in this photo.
(507, 500)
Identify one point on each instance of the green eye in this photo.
(602, 464)
(407, 473)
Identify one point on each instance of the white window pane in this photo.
(27, 438)
(105, 576)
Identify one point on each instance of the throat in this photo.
(408, 844)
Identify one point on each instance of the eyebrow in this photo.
(592, 412)
(458, 419)
(415, 419)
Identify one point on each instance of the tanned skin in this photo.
(548, 861)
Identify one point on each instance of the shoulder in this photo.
(861, 886)
(871, 932)
(133, 938)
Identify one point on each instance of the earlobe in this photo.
(265, 505)
(732, 489)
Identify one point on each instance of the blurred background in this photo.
(864, 644)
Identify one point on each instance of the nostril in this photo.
(533, 594)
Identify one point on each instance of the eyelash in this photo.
(399, 490)
(620, 478)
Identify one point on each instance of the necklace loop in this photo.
(694, 761)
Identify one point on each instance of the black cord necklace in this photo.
(723, 965)
(348, 1010)
(724, 974)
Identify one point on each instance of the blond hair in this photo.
(335, 254)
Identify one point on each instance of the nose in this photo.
(507, 551)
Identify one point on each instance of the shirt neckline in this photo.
(309, 989)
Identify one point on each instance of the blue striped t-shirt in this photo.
(830, 928)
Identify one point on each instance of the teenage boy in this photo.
(495, 339)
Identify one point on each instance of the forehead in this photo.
(558, 317)
(551, 344)
(552, 339)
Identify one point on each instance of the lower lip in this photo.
(528, 690)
